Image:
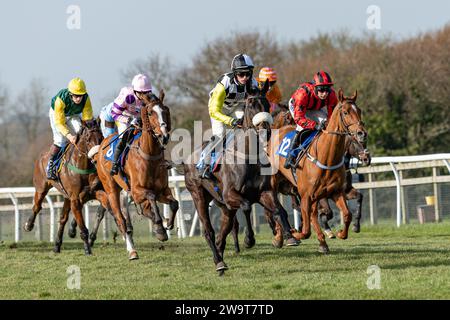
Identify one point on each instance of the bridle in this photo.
(347, 130)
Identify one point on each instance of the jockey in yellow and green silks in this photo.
(68, 108)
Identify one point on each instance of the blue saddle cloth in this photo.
(109, 155)
(215, 157)
(284, 151)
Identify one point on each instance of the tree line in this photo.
(403, 89)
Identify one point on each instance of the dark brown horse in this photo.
(145, 170)
(237, 186)
(77, 181)
(321, 173)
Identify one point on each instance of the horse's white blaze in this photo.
(354, 108)
(130, 245)
(158, 111)
(93, 151)
(262, 117)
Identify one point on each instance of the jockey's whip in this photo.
(118, 136)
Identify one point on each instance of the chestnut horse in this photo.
(237, 186)
(77, 181)
(145, 170)
(321, 173)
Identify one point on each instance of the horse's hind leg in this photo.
(355, 194)
(76, 208)
(249, 240)
(325, 214)
(62, 223)
(72, 231)
(93, 235)
(235, 234)
(39, 197)
(160, 231)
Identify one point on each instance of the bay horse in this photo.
(77, 181)
(321, 173)
(145, 170)
(237, 186)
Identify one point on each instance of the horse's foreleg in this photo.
(93, 235)
(355, 194)
(39, 197)
(323, 247)
(158, 229)
(235, 234)
(235, 201)
(306, 222)
(76, 207)
(126, 211)
(62, 223)
(201, 201)
(225, 227)
(325, 214)
(342, 205)
(114, 201)
(270, 202)
(167, 198)
(72, 231)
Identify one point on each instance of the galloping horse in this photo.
(77, 181)
(321, 173)
(237, 186)
(145, 170)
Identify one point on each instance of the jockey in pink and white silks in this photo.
(125, 111)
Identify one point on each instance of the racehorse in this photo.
(321, 173)
(237, 186)
(145, 171)
(77, 181)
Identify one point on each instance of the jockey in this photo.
(66, 108)
(274, 93)
(226, 104)
(126, 112)
(311, 106)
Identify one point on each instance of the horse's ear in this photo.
(265, 87)
(340, 95)
(355, 95)
(161, 95)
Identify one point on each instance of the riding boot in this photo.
(51, 170)
(119, 149)
(205, 166)
(292, 145)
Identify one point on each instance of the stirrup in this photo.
(114, 169)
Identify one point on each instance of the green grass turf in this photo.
(414, 263)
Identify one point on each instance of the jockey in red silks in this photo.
(311, 106)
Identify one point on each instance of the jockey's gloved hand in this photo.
(133, 121)
(321, 125)
(237, 122)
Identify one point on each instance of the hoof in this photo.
(330, 234)
(341, 235)
(292, 242)
(277, 243)
(249, 242)
(28, 226)
(324, 249)
(133, 255)
(72, 233)
(57, 250)
(221, 266)
(356, 228)
(297, 235)
(162, 236)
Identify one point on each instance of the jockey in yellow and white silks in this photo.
(68, 108)
(226, 103)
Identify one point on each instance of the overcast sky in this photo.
(36, 42)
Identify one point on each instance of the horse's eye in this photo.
(345, 113)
